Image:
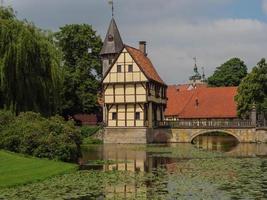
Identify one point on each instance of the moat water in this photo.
(213, 167)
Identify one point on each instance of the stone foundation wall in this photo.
(262, 135)
(125, 136)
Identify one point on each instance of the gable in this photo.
(124, 61)
(145, 64)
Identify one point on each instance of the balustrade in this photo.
(206, 123)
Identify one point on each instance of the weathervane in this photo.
(112, 6)
(195, 59)
(195, 67)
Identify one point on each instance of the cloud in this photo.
(264, 6)
(54, 13)
(176, 30)
(173, 44)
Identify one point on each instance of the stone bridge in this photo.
(169, 135)
(186, 130)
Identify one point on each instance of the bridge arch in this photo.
(202, 132)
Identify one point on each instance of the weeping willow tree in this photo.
(29, 67)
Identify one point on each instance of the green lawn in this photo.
(16, 169)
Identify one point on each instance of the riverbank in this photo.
(17, 169)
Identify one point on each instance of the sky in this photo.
(176, 31)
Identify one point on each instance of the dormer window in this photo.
(197, 102)
(119, 68)
(110, 38)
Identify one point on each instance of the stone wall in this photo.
(262, 134)
(145, 135)
(125, 136)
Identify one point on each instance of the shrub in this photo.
(88, 131)
(6, 117)
(32, 134)
(90, 140)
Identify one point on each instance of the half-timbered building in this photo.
(134, 95)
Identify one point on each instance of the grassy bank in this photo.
(16, 169)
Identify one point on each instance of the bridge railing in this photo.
(208, 123)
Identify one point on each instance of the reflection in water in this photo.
(230, 145)
(216, 143)
(114, 157)
(134, 158)
(124, 158)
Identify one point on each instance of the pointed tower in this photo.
(112, 46)
(196, 78)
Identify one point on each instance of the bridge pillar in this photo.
(253, 116)
(150, 115)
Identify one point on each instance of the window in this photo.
(114, 116)
(119, 68)
(157, 91)
(130, 68)
(109, 61)
(163, 93)
(110, 38)
(137, 116)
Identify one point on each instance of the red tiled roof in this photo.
(176, 100)
(202, 102)
(144, 63)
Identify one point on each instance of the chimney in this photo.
(142, 47)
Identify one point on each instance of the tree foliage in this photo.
(230, 73)
(29, 67)
(7, 13)
(253, 90)
(81, 47)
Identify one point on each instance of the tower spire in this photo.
(196, 77)
(113, 42)
(112, 45)
(195, 67)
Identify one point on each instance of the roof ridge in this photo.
(218, 88)
(126, 45)
(145, 64)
